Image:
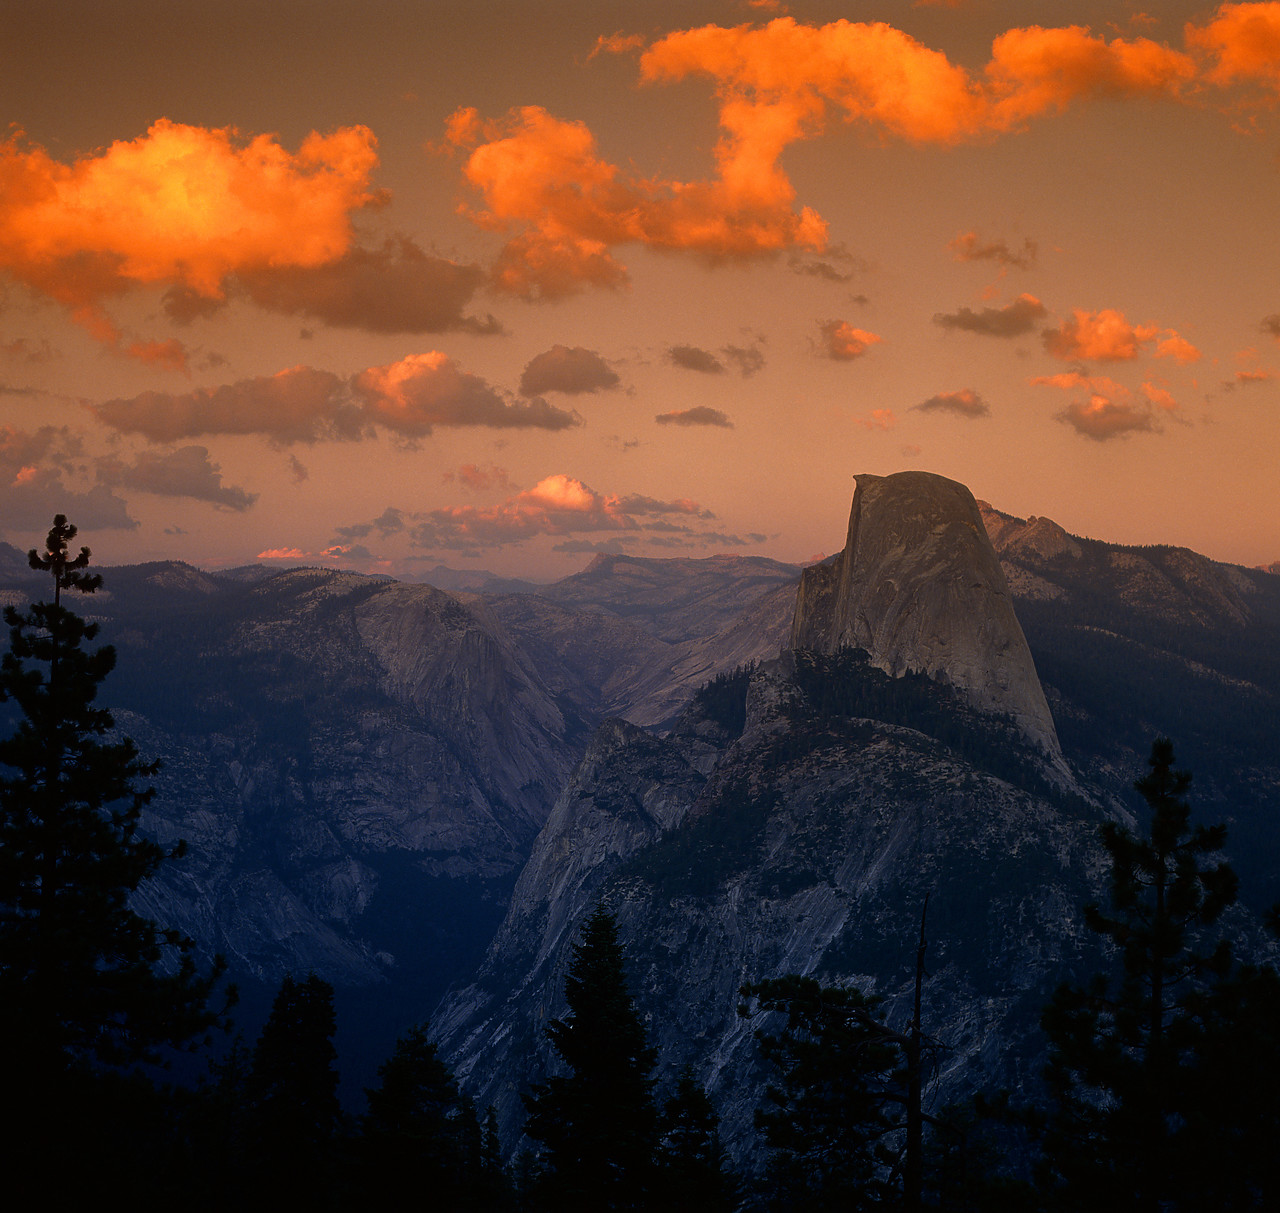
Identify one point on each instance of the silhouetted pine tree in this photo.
(86, 984)
(693, 1173)
(826, 1121)
(598, 1123)
(1164, 1079)
(293, 1092)
(421, 1131)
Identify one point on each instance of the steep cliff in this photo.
(919, 587)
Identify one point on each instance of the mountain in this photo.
(798, 817)
(360, 766)
(406, 789)
(918, 587)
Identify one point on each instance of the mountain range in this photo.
(419, 793)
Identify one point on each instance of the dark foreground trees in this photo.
(1164, 1077)
(598, 1123)
(88, 988)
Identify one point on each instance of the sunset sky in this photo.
(386, 284)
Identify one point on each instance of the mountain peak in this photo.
(919, 587)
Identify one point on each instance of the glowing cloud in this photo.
(1244, 39)
(1104, 336)
(182, 205)
(841, 341)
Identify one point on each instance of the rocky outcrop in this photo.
(919, 587)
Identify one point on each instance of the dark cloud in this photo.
(408, 397)
(186, 472)
(970, 248)
(389, 522)
(481, 479)
(297, 405)
(1102, 419)
(700, 415)
(837, 264)
(36, 468)
(425, 390)
(396, 288)
(964, 403)
(1271, 324)
(691, 358)
(569, 370)
(1012, 320)
(748, 359)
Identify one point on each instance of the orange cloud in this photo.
(183, 205)
(565, 210)
(541, 177)
(880, 419)
(282, 554)
(1244, 40)
(1104, 336)
(841, 341)
(1178, 348)
(1034, 70)
(968, 247)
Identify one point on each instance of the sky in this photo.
(383, 285)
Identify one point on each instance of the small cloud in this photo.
(298, 470)
(700, 415)
(480, 479)
(969, 247)
(1245, 378)
(1271, 324)
(1012, 320)
(691, 358)
(282, 554)
(835, 264)
(1102, 419)
(964, 403)
(1106, 336)
(841, 341)
(880, 419)
(748, 359)
(389, 522)
(569, 370)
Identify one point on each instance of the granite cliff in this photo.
(918, 586)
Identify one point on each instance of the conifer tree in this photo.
(85, 981)
(598, 1123)
(692, 1164)
(421, 1130)
(1150, 1071)
(827, 1120)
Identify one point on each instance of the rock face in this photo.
(919, 587)
(806, 844)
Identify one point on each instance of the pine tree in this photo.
(85, 982)
(1150, 1072)
(827, 1121)
(693, 1172)
(598, 1123)
(421, 1130)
